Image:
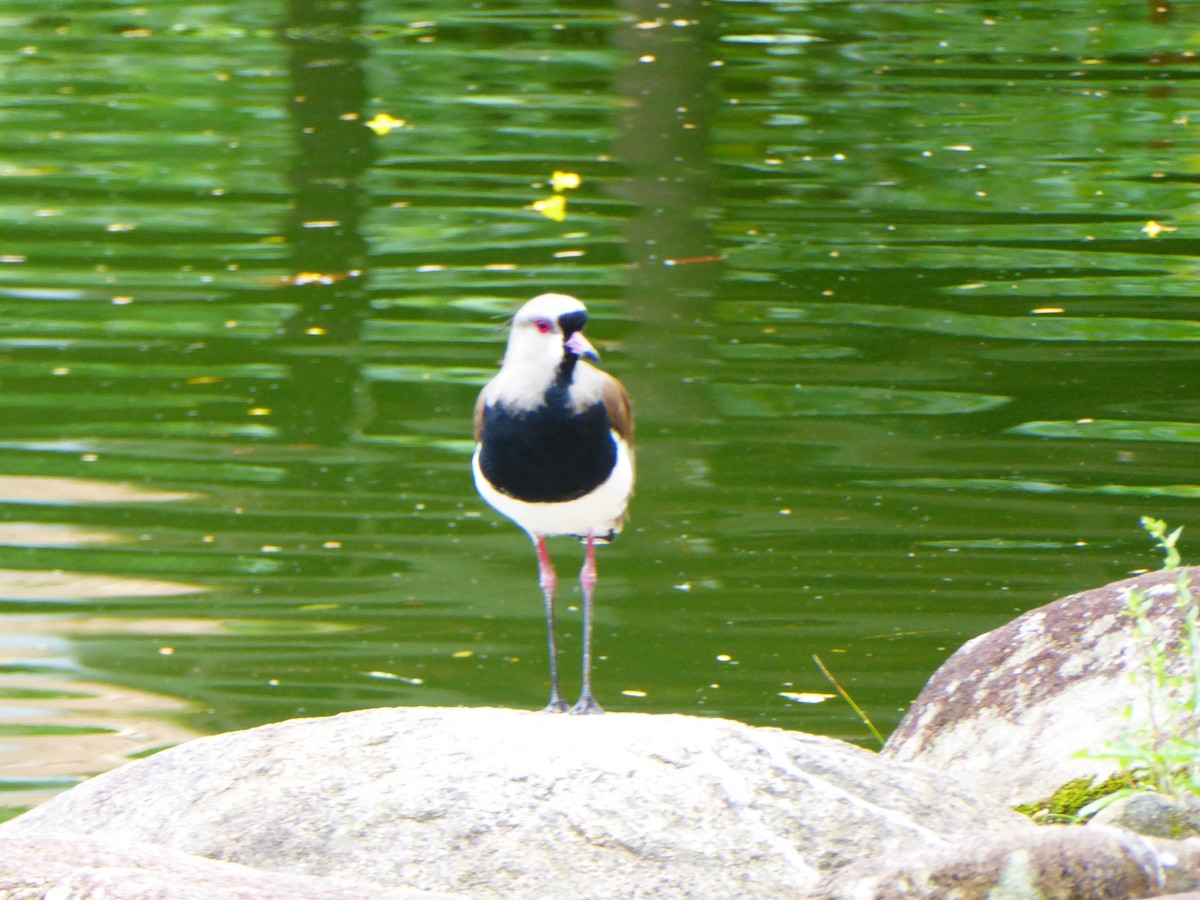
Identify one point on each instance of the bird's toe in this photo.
(585, 706)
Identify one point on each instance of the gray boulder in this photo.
(1066, 861)
(1010, 712)
(66, 866)
(1153, 814)
(504, 803)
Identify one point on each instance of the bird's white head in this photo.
(546, 330)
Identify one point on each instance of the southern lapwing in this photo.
(554, 452)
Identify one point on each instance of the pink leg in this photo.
(586, 703)
(548, 581)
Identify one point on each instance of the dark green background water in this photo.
(906, 358)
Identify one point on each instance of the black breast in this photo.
(546, 455)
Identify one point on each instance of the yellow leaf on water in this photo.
(552, 207)
(382, 123)
(562, 181)
(1153, 229)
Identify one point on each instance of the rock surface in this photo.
(1067, 861)
(1008, 713)
(1152, 814)
(67, 866)
(504, 803)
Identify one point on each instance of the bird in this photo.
(554, 454)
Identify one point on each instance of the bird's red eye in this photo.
(545, 326)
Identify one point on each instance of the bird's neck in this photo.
(527, 388)
(564, 373)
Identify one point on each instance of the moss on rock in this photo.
(1065, 803)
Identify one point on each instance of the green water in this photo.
(906, 356)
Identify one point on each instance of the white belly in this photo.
(598, 513)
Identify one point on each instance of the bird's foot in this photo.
(586, 705)
(556, 705)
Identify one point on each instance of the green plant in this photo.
(1157, 529)
(1065, 804)
(1163, 754)
(846, 696)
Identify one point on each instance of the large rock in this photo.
(1153, 814)
(1067, 861)
(66, 866)
(1010, 712)
(503, 803)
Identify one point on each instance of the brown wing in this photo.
(478, 416)
(616, 401)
